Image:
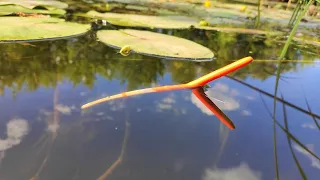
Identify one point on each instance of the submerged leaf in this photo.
(164, 22)
(9, 9)
(236, 30)
(28, 28)
(203, 23)
(156, 44)
(134, 20)
(48, 4)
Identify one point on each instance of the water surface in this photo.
(169, 135)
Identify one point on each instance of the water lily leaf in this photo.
(307, 41)
(155, 44)
(134, 20)
(48, 4)
(30, 28)
(235, 30)
(9, 9)
(165, 22)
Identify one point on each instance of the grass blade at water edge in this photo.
(275, 150)
(285, 49)
(283, 53)
(303, 175)
(258, 16)
(294, 14)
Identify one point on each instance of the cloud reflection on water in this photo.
(17, 129)
(314, 162)
(241, 172)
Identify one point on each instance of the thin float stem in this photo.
(193, 84)
(196, 85)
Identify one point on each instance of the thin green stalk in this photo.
(303, 175)
(294, 14)
(284, 51)
(275, 150)
(258, 17)
(293, 31)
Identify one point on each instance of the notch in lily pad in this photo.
(154, 44)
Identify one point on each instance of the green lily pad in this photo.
(165, 22)
(134, 20)
(48, 4)
(9, 9)
(307, 41)
(30, 28)
(155, 44)
(235, 30)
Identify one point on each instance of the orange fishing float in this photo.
(191, 85)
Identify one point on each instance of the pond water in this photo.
(168, 135)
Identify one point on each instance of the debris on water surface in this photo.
(203, 23)
(125, 50)
(243, 8)
(207, 3)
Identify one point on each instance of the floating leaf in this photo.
(155, 44)
(48, 4)
(134, 20)
(235, 30)
(28, 28)
(307, 41)
(164, 22)
(9, 9)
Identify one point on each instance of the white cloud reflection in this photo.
(162, 106)
(221, 95)
(242, 172)
(66, 110)
(166, 103)
(246, 113)
(116, 105)
(53, 127)
(309, 125)
(169, 100)
(314, 161)
(250, 98)
(16, 130)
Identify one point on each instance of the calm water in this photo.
(170, 135)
